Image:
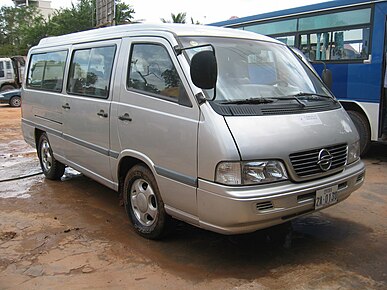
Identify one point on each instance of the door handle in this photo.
(66, 106)
(125, 117)
(102, 113)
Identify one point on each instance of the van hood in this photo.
(275, 137)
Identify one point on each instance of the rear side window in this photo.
(46, 71)
(152, 71)
(8, 64)
(90, 71)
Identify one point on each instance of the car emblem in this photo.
(324, 160)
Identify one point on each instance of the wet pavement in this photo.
(73, 234)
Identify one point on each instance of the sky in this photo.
(204, 11)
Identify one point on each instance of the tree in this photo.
(195, 22)
(123, 13)
(176, 18)
(79, 17)
(23, 26)
(15, 29)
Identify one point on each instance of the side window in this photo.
(46, 71)
(288, 40)
(152, 71)
(8, 64)
(1, 69)
(90, 71)
(337, 45)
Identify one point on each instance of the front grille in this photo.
(305, 163)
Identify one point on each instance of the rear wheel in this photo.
(15, 101)
(361, 124)
(52, 168)
(143, 203)
(7, 88)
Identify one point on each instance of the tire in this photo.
(143, 203)
(15, 101)
(7, 88)
(52, 168)
(363, 128)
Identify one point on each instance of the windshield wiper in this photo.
(302, 94)
(290, 97)
(248, 101)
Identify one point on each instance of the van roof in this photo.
(123, 30)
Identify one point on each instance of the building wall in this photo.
(44, 6)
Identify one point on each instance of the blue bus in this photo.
(349, 38)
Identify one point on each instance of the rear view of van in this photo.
(224, 129)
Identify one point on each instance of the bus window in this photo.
(288, 40)
(336, 45)
(338, 19)
(316, 46)
(274, 27)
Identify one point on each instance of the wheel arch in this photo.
(37, 134)
(8, 84)
(127, 160)
(357, 107)
(362, 123)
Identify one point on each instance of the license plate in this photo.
(326, 197)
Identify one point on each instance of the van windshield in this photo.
(258, 72)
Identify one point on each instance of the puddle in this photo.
(15, 167)
(19, 188)
(15, 148)
(19, 174)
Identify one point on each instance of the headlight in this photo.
(353, 152)
(248, 173)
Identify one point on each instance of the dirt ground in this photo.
(73, 234)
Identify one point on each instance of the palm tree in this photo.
(176, 18)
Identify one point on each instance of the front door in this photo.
(159, 120)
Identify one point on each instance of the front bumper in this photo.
(3, 100)
(235, 210)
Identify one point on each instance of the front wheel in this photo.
(52, 168)
(361, 124)
(143, 203)
(15, 102)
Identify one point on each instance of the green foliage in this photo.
(179, 18)
(23, 27)
(16, 26)
(79, 17)
(123, 13)
(176, 18)
(195, 22)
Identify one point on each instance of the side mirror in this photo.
(327, 77)
(204, 70)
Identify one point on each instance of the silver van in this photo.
(223, 129)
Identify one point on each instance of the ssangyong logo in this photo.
(324, 160)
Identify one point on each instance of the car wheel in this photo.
(7, 88)
(52, 168)
(15, 101)
(143, 203)
(363, 129)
